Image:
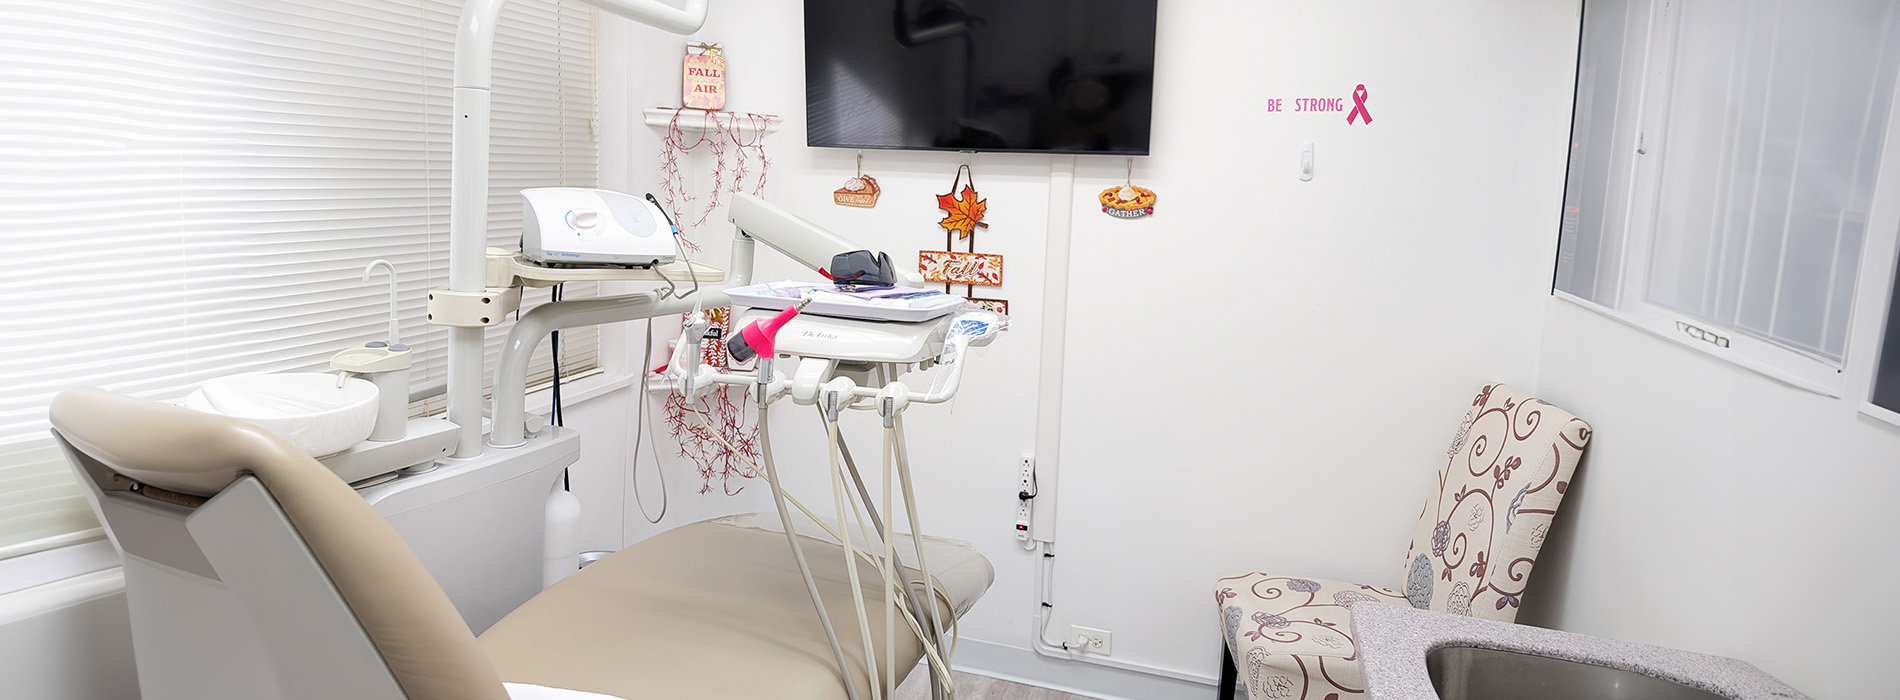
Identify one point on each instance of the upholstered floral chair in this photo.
(1477, 539)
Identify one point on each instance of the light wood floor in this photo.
(972, 687)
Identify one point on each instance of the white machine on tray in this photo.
(584, 227)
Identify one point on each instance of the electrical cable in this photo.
(679, 246)
(1043, 594)
(640, 428)
(554, 349)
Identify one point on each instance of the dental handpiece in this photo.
(759, 338)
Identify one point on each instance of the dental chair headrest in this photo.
(171, 447)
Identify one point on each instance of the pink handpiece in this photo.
(759, 338)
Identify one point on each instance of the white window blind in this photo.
(1724, 154)
(189, 190)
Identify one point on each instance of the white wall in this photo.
(68, 640)
(1720, 511)
(1356, 312)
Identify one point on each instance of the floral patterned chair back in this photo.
(1504, 475)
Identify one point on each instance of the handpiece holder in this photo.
(816, 377)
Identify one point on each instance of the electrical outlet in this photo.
(1025, 507)
(1091, 640)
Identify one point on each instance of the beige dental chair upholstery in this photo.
(1489, 510)
(710, 610)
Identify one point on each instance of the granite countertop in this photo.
(1393, 640)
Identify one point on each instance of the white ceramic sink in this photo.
(312, 411)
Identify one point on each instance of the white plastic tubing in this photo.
(468, 187)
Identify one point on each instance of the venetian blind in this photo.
(189, 190)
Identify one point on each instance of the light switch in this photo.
(1306, 161)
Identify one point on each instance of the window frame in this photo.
(1637, 234)
(581, 362)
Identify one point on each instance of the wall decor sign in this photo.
(1000, 306)
(953, 267)
(860, 191)
(1359, 105)
(963, 215)
(1358, 113)
(704, 84)
(1128, 201)
(962, 211)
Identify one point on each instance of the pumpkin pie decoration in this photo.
(1128, 201)
(860, 191)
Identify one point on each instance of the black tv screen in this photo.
(1054, 76)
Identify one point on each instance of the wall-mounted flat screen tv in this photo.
(1049, 76)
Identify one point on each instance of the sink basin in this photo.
(312, 411)
(1470, 673)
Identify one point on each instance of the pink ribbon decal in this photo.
(1359, 105)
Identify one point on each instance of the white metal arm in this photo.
(468, 182)
(803, 240)
(752, 217)
(678, 20)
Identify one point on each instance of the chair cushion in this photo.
(708, 610)
(1491, 506)
(1291, 637)
(960, 572)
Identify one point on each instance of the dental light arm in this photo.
(677, 20)
(804, 241)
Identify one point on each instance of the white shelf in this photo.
(699, 120)
(507, 268)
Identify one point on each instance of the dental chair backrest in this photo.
(313, 564)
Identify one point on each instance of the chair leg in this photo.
(1229, 673)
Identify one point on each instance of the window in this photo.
(189, 190)
(1723, 159)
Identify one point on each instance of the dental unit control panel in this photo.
(580, 226)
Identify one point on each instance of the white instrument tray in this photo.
(902, 304)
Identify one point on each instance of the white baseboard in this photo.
(1029, 668)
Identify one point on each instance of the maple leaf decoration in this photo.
(962, 213)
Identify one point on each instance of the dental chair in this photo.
(218, 519)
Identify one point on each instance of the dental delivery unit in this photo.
(254, 570)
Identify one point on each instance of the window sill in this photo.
(58, 564)
(582, 389)
(1834, 389)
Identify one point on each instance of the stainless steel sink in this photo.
(1470, 673)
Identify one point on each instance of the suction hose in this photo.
(791, 532)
